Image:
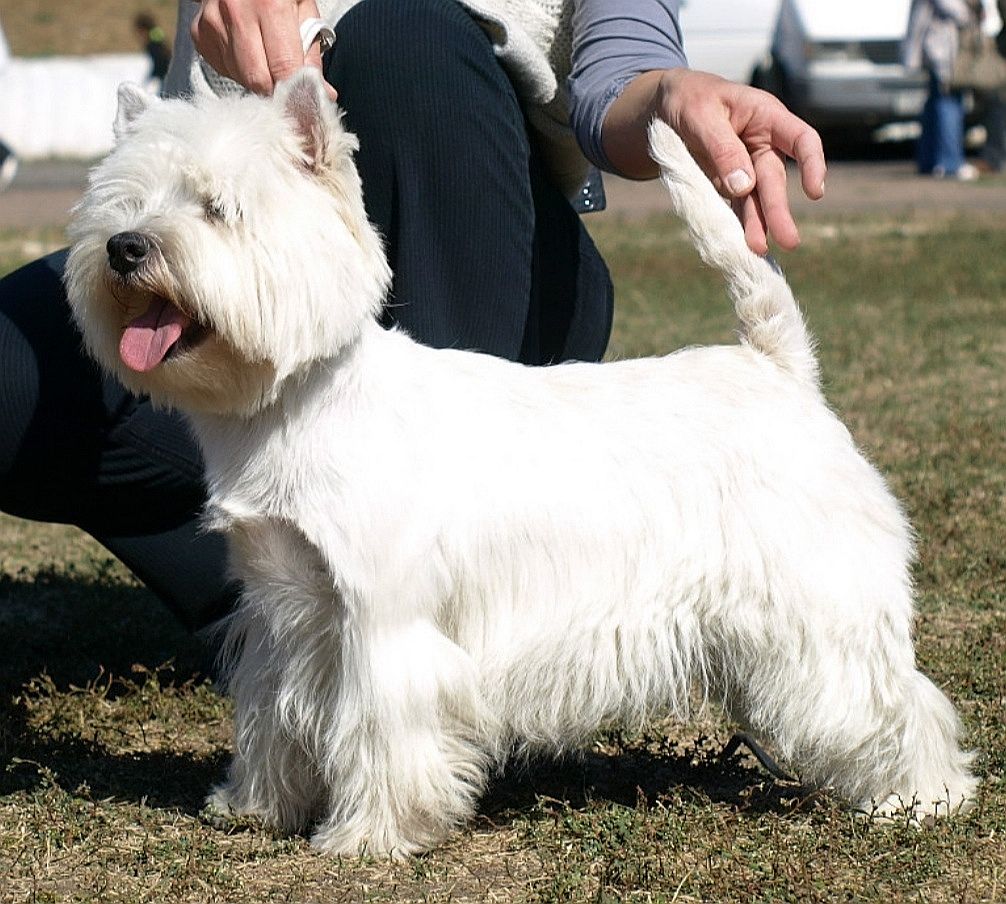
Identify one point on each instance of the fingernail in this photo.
(738, 182)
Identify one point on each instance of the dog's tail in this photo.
(770, 320)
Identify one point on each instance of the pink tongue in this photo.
(147, 338)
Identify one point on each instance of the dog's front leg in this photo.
(272, 775)
(406, 758)
(281, 666)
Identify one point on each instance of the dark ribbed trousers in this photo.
(486, 255)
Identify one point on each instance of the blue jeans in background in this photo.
(941, 145)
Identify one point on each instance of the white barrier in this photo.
(64, 106)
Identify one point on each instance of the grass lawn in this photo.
(110, 732)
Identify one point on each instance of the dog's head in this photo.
(222, 246)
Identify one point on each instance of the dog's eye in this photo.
(213, 210)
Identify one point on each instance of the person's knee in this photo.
(409, 52)
(381, 29)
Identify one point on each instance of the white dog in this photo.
(446, 556)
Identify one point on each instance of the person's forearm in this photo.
(623, 135)
(613, 44)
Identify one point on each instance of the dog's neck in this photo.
(325, 388)
(288, 397)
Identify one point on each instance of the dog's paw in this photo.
(220, 802)
(355, 839)
(219, 813)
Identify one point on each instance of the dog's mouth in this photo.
(153, 336)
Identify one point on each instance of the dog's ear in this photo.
(133, 100)
(306, 105)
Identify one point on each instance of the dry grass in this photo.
(59, 28)
(110, 732)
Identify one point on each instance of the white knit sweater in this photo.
(532, 38)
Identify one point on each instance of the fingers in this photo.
(755, 183)
(244, 57)
(773, 199)
(794, 138)
(255, 42)
(749, 212)
(741, 137)
(719, 150)
(809, 154)
(791, 137)
(280, 38)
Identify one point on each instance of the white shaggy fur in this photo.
(446, 555)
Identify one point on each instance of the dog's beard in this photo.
(160, 347)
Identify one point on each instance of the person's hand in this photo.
(739, 135)
(255, 42)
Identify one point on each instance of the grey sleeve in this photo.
(613, 42)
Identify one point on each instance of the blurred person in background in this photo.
(931, 44)
(156, 46)
(993, 158)
(8, 159)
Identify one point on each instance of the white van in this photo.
(730, 38)
(838, 64)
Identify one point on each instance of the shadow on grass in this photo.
(162, 780)
(640, 778)
(180, 782)
(75, 628)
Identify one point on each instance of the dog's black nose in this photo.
(126, 251)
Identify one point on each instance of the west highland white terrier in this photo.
(447, 557)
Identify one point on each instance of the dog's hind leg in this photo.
(931, 777)
(403, 763)
(844, 704)
(890, 750)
